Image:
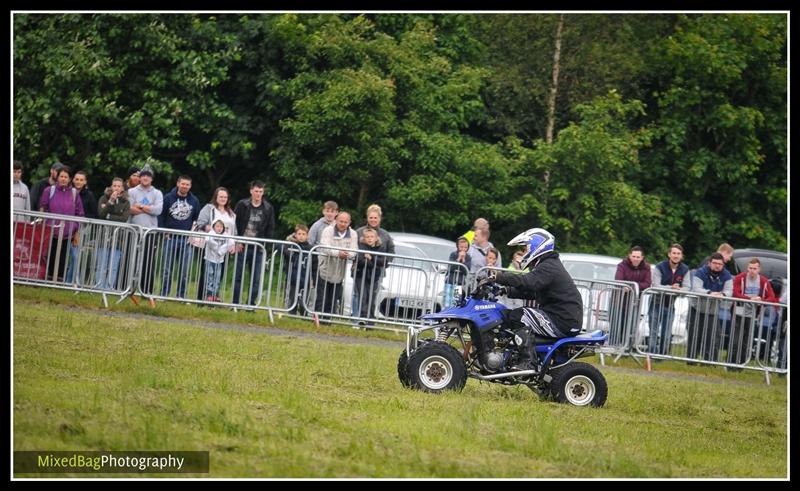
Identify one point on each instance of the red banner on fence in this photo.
(31, 242)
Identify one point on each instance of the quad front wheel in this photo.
(402, 369)
(435, 367)
(579, 384)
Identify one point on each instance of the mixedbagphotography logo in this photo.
(110, 462)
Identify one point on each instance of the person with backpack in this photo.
(61, 198)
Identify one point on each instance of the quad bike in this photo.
(487, 351)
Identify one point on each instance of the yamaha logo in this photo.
(485, 307)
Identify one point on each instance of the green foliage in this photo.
(725, 94)
(667, 127)
(592, 164)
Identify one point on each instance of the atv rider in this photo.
(560, 308)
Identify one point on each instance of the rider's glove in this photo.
(486, 281)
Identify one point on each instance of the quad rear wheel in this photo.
(579, 384)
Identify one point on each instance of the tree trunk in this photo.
(362, 196)
(551, 103)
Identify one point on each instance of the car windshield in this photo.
(436, 251)
(590, 271)
(409, 250)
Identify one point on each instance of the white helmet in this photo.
(537, 241)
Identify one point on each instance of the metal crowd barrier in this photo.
(214, 269)
(351, 290)
(704, 329)
(74, 253)
(610, 306)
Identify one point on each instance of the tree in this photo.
(720, 153)
(594, 204)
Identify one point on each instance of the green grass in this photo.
(283, 406)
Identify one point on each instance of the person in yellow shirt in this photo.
(481, 223)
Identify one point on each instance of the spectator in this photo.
(783, 325)
(374, 216)
(132, 178)
(456, 276)
(179, 212)
(367, 272)
(114, 206)
(670, 273)
(296, 268)
(329, 211)
(515, 265)
(634, 268)
(218, 208)
(19, 191)
(147, 203)
(63, 199)
(79, 182)
(478, 250)
(51, 180)
(332, 262)
(131, 181)
(255, 218)
(217, 247)
(705, 333)
(725, 249)
(515, 261)
(491, 262)
(479, 223)
(750, 285)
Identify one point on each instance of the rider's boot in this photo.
(526, 350)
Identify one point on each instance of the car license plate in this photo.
(410, 303)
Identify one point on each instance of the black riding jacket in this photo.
(553, 289)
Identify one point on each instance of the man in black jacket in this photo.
(560, 309)
(255, 218)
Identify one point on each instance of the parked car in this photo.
(411, 285)
(433, 247)
(590, 267)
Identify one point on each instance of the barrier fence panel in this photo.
(610, 306)
(698, 328)
(215, 269)
(78, 253)
(375, 289)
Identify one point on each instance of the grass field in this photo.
(289, 406)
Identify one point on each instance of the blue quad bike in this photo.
(487, 351)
